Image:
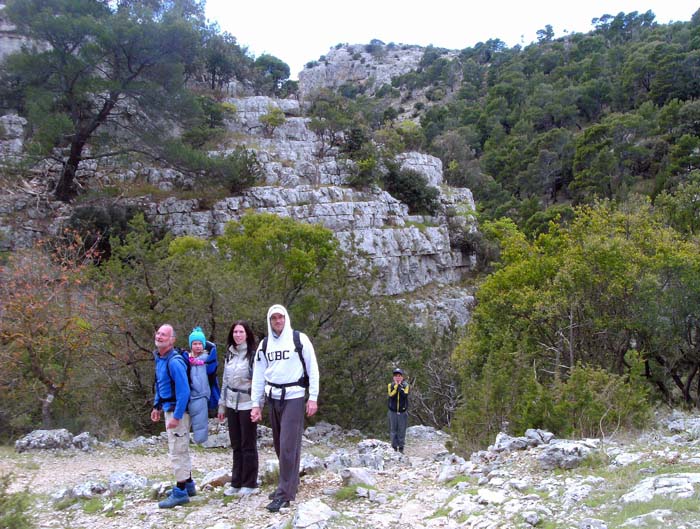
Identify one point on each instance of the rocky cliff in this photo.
(409, 252)
(303, 179)
(367, 67)
(9, 40)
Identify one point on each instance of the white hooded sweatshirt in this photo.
(280, 364)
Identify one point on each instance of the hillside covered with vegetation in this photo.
(582, 153)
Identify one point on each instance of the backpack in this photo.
(298, 347)
(215, 392)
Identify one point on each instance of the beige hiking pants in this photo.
(179, 447)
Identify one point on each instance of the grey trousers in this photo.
(287, 422)
(398, 421)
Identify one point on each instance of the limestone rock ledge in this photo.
(406, 254)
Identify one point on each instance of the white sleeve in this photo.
(257, 389)
(309, 355)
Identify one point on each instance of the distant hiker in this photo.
(199, 385)
(398, 414)
(235, 405)
(285, 366)
(172, 394)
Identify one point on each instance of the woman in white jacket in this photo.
(235, 405)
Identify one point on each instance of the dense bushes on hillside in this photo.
(616, 290)
(77, 337)
(590, 115)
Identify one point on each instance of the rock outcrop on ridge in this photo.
(303, 179)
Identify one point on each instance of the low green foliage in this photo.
(411, 187)
(440, 512)
(349, 492)
(237, 170)
(682, 509)
(14, 508)
(595, 460)
(575, 331)
(461, 479)
(93, 505)
(65, 503)
(272, 120)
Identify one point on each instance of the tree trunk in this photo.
(66, 189)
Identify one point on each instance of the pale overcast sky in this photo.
(301, 31)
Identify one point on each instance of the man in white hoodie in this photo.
(281, 376)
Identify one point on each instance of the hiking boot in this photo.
(248, 491)
(272, 495)
(191, 488)
(177, 497)
(277, 504)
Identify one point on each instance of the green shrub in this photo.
(386, 90)
(594, 401)
(236, 171)
(590, 402)
(97, 223)
(365, 173)
(273, 119)
(201, 136)
(13, 507)
(412, 188)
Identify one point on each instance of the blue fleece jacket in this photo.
(171, 369)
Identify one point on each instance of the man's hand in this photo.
(221, 417)
(155, 415)
(256, 415)
(172, 423)
(311, 408)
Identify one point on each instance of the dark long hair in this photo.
(250, 339)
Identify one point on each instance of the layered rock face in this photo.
(10, 42)
(407, 256)
(305, 179)
(304, 182)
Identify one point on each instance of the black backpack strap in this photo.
(304, 380)
(298, 347)
(251, 359)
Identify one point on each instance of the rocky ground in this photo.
(646, 480)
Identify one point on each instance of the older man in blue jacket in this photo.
(172, 394)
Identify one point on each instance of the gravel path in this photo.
(43, 473)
